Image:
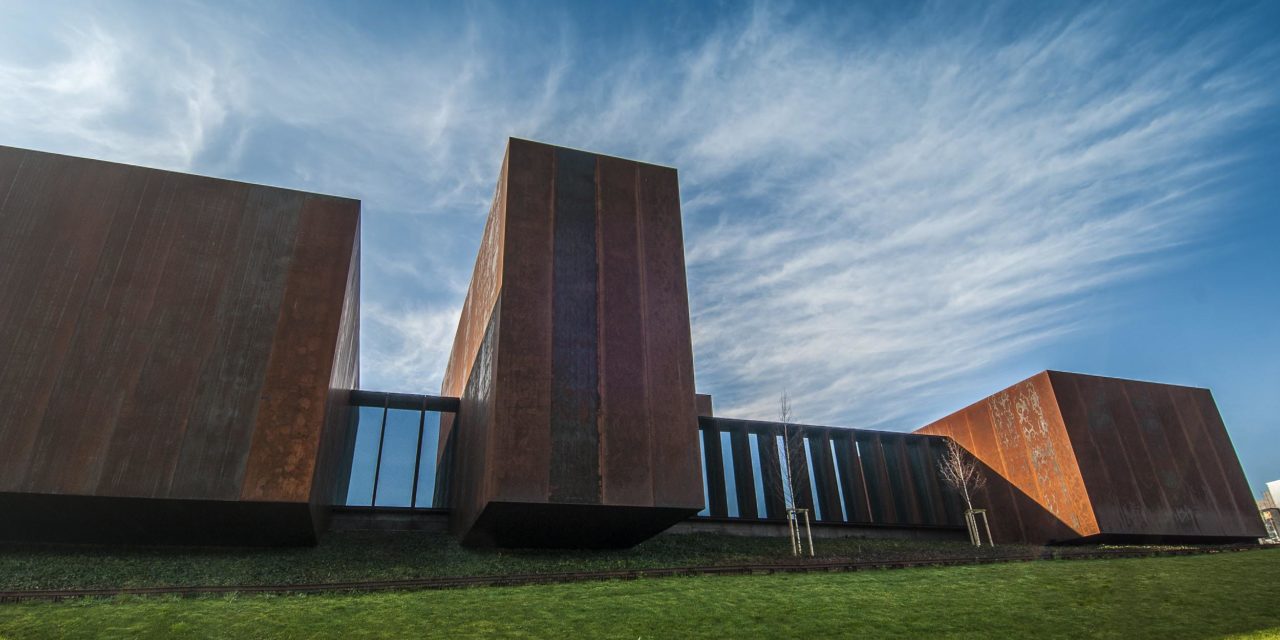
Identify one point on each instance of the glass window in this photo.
(788, 499)
(730, 482)
(835, 461)
(427, 464)
(813, 484)
(364, 456)
(758, 469)
(399, 453)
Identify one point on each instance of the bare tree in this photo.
(784, 484)
(962, 472)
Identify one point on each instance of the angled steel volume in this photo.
(175, 354)
(1078, 458)
(573, 359)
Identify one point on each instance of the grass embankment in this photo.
(362, 556)
(1207, 596)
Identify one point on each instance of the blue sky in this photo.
(891, 209)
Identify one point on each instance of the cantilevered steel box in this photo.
(175, 354)
(1079, 458)
(573, 359)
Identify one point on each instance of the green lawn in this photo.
(382, 556)
(1209, 596)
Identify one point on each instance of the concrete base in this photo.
(389, 519)
(772, 528)
(568, 526)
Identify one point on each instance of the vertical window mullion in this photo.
(417, 462)
(377, 467)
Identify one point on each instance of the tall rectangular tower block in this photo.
(1079, 458)
(176, 354)
(573, 359)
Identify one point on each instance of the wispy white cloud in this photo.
(406, 348)
(875, 213)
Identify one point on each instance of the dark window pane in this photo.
(364, 457)
(427, 466)
(399, 452)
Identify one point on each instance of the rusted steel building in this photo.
(179, 357)
(1083, 458)
(174, 353)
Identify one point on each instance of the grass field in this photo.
(1208, 596)
(349, 556)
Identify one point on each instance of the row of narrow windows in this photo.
(393, 463)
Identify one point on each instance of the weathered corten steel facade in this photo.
(172, 348)
(1078, 458)
(573, 359)
(178, 356)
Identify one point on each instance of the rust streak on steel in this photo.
(171, 352)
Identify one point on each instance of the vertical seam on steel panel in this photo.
(601, 441)
(551, 317)
(644, 343)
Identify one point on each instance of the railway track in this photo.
(414, 584)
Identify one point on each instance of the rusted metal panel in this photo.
(924, 479)
(624, 413)
(702, 403)
(1201, 443)
(190, 304)
(876, 474)
(857, 506)
(1084, 457)
(1238, 487)
(904, 498)
(575, 337)
(214, 445)
(137, 311)
(54, 226)
(1056, 461)
(592, 389)
(469, 484)
(285, 443)
(1197, 503)
(1153, 428)
(668, 341)
(520, 453)
(115, 330)
(1001, 496)
(952, 505)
